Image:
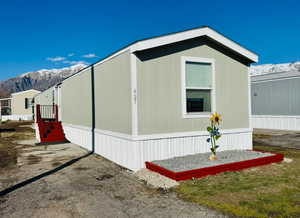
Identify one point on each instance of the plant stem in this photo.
(214, 140)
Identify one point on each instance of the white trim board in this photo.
(211, 61)
(275, 79)
(249, 100)
(98, 63)
(30, 90)
(16, 117)
(3, 99)
(189, 34)
(158, 136)
(134, 94)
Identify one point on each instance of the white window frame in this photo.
(211, 61)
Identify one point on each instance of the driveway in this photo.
(90, 187)
(281, 138)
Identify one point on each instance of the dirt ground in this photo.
(91, 187)
(279, 138)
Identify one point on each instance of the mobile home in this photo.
(152, 99)
(276, 101)
(19, 106)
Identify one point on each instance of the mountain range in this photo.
(39, 80)
(45, 78)
(274, 68)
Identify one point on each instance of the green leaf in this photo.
(218, 136)
(209, 129)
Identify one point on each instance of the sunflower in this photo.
(216, 118)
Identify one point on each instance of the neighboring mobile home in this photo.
(19, 106)
(276, 101)
(152, 99)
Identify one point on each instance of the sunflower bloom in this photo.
(216, 118)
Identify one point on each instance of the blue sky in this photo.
(33, 31)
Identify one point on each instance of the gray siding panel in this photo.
(113, 94)
(46, 97)
(76, 104)
(159, 90)
(279, 97)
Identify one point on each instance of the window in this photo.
(28, 103)
(198, 88)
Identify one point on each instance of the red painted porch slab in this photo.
(202, 172)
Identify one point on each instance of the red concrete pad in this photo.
(202, 172)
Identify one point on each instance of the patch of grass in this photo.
(8, 147)
(266, 191)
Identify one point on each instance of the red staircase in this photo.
(50, 129)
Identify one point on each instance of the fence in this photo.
(46, 112)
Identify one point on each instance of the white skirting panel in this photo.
(17, 117)
(276, 122)
(78, 135)
(132, 154)
(37, 132)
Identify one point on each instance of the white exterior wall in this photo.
(276, 122)
(133, 152)
(79, 135)
(17, 117)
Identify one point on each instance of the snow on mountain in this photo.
(274, 68)
(40, 80)
(66, 71)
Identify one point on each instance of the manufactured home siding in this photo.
(46, 97)
(159, 89)
(113, 94)
(76, 104)
(278, 97)
(18, 102)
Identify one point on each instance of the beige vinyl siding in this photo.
(76, 103)
(159, 88)
(113, 94)
(18, 102)
(46, 97)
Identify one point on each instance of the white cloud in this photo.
(75, 62)
(71, 54)
(55, 59)
(89, 56)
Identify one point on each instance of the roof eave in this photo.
(189, 34)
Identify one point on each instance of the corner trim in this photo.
(134, 98)
(249, 100)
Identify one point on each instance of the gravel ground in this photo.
(155, 179)
(280, 138)
(95, 187)
(196, 161)
(91, 187)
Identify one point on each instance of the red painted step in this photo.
(51, 132)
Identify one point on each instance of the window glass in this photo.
(198, 100)
(198, 74)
